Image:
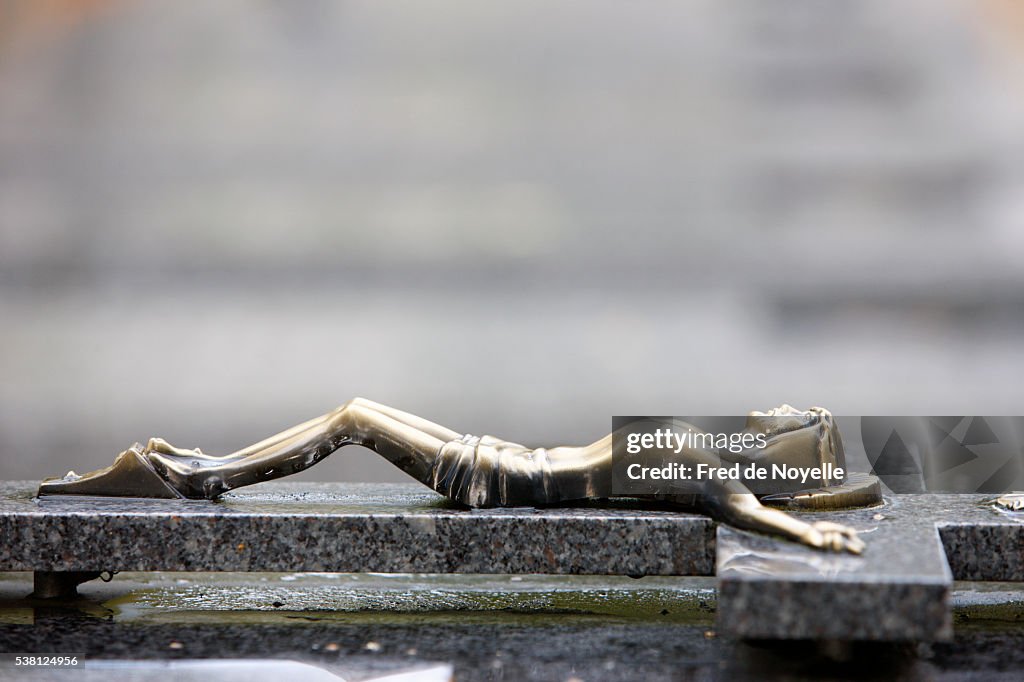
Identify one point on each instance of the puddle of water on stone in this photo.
(335, 595)
(987, 605)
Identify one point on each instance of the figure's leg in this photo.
(161, 446)
(409, 447)
(197, 457)
(436, 430)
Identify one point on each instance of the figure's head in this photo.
(799, 437)
(782, 418)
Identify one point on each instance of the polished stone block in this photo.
(898, 590)
(351, 527)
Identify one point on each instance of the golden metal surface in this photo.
(486, 471)
(1013, 501)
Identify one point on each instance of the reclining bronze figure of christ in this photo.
(486, 471)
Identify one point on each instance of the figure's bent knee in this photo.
(354, 402)
(350, 407)
(344, 406)
(351, 422)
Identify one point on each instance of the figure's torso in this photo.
(486, 471)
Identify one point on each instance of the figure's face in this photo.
(795, 436)
(782, 419)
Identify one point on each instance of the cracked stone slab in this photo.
(345, 528)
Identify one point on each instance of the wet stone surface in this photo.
(483, 627)
(342, 528)
(767, 588)
(898, 590)
(786, 595)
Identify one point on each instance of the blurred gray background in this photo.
(220, 219)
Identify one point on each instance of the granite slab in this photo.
(897, 590)
(346, 528)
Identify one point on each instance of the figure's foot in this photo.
(833, 536)
(185, 469)
(189, 471)
(191, 474)
(1011, 501)
(131, 475)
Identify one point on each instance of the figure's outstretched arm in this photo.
(730, 502)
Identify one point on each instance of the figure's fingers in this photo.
(851, 543)
(1013, 501)
(833, 540)
(856, 545)
(838, 537)
(830, 526)
(814, 537)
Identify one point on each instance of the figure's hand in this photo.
(1011, 501)
(833, 536)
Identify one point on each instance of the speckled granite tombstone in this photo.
(768, 588)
